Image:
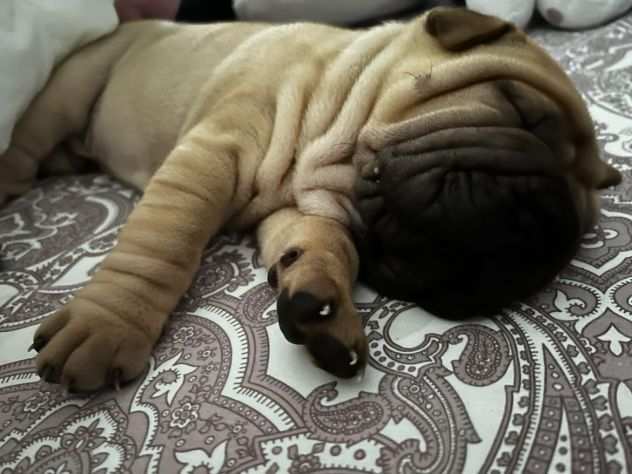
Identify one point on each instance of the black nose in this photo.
(334, 357)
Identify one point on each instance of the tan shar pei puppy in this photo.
(449, 155)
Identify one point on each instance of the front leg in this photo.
(313, 264)
(106, 333)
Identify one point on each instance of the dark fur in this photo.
(466, 242)
(459, 238)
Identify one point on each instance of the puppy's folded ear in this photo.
(458, 29)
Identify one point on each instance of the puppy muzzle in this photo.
(465, 221)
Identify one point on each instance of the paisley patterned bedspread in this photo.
(546, 386)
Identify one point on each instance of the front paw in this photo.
(314, 307)
(84, 347)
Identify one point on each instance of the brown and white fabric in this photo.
(546, 386)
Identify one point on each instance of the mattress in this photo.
(544, 386)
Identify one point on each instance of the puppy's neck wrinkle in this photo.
(338, 110)
(321, 101)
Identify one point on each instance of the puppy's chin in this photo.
(465, 231)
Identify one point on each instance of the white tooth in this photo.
(354, 358)
(326, 311)
(376, 170)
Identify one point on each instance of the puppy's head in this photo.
(478, 171)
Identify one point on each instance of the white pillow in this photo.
(34, 36)
(518, 12)
(327, 11)
(574, 14)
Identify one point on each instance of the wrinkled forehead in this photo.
(451, 33)
(451, 49)
(455, 58)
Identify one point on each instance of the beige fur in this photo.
(235, 125)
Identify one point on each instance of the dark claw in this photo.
(71, 391)
(287, 322)
(48, 374)
(38, 343)
(334, 357)
(273, 277)
(304, 308)
(115, 377)
(70, 388)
